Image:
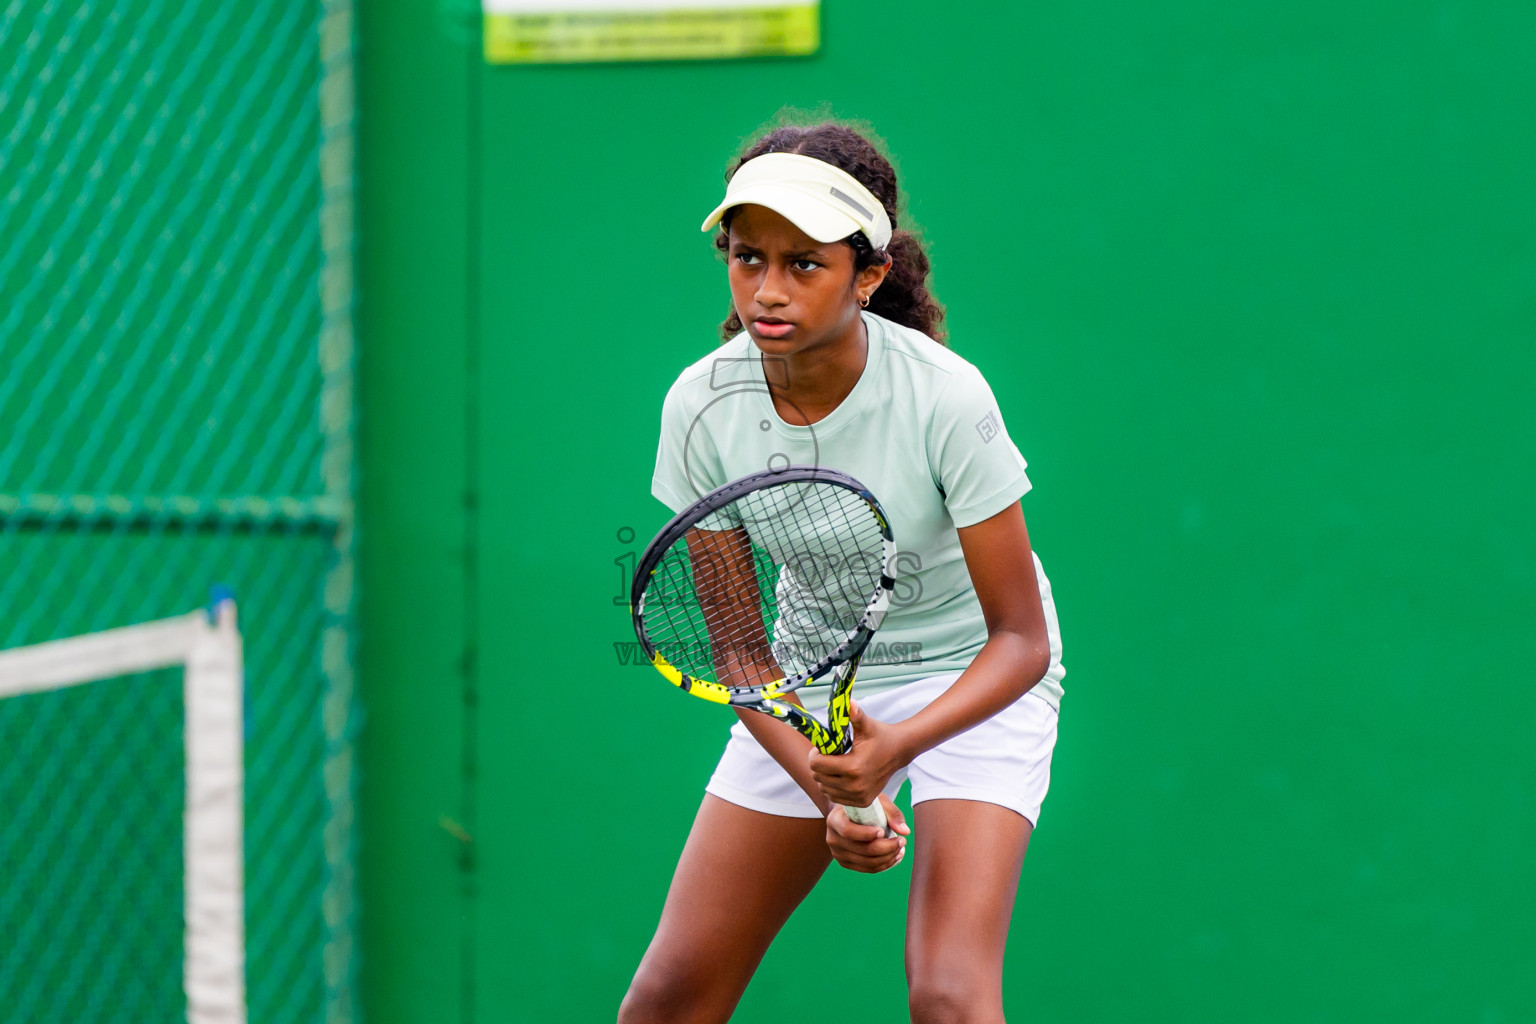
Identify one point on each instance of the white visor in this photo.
(825, 202)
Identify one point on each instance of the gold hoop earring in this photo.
(864, 302)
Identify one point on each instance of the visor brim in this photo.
(809, 213)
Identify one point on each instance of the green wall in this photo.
(1256, 289)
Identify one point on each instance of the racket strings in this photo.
(826, 582)
(768, 586)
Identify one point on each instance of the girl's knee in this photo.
(673, 996)
(652, 999)
(939, 996)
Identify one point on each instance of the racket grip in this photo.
(874, 815)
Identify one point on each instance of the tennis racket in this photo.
(768, 584)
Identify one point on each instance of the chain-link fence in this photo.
(175, 412)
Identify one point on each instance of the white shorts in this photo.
(1005, 760)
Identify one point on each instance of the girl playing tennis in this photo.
(835, 356)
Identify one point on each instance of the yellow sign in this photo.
(584, 31)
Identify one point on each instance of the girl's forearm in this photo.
(1007, 665)
(786, 746)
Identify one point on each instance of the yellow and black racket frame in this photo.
(836, 737)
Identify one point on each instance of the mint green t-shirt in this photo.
(921, 430)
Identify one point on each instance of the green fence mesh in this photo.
(175, 412)
(67, 846)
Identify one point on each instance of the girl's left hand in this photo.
(863, 847)
(856, 778)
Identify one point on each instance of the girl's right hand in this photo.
(861, 847)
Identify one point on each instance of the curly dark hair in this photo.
(903, 296)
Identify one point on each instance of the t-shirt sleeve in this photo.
(975, 463)
(682, 475)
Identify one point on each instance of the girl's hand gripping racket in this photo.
(770, 583)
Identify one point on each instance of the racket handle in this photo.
(874, 815)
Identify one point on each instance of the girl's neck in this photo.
(807, 386)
